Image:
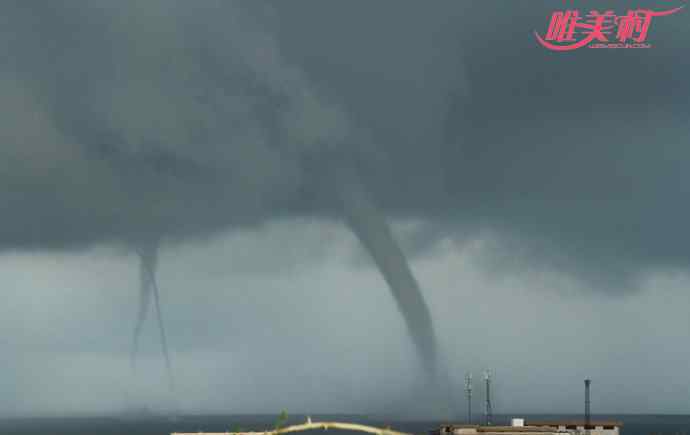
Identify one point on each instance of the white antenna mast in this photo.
(487, 411)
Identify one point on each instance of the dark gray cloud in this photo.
(574, 160)
(161, 118)
(150, 136)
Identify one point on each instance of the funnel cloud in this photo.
(373, 231)
(148, 262)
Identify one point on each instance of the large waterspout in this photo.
(369, 225)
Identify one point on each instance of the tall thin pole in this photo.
(487, 411)
(468, 392)
(588, 420)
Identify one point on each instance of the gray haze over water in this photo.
(540, 199)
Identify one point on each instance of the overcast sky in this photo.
(540, 199)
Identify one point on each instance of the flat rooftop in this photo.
(537, 427)
(573, 423)
(472, 429)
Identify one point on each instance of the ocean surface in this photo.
(153, 425)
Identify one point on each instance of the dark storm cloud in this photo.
(580, 156)
(573, 161)
(151, 137)
(137, 119)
